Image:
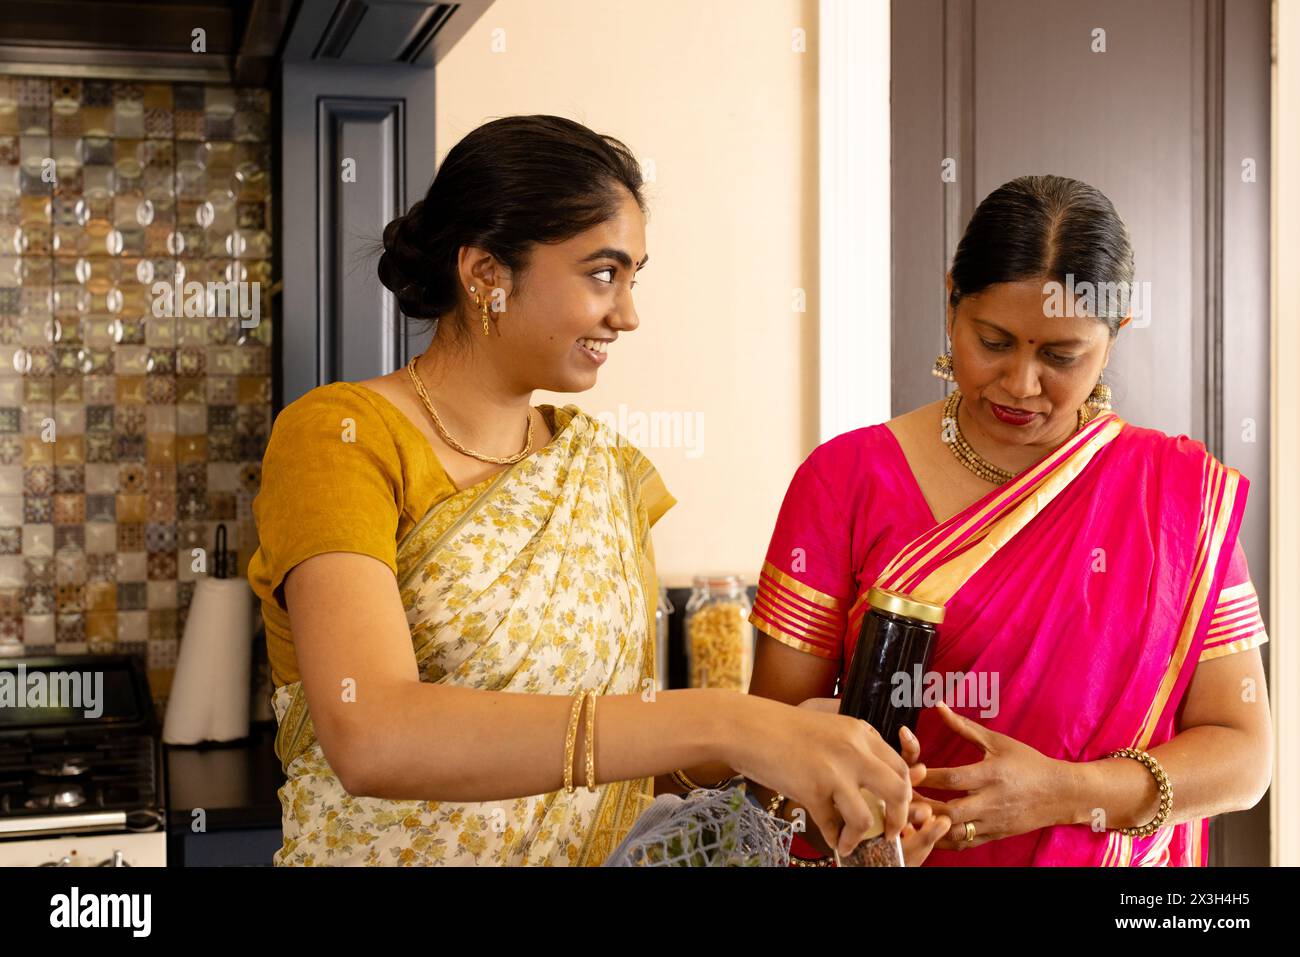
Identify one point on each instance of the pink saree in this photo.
(1091, 585)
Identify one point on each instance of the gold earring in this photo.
(943, 367)
(1099, 398)
(482, 303)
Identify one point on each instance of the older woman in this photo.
(459, 605)
(1089, 564)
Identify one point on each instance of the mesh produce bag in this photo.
(707, 828)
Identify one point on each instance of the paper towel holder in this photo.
(210, 700)
(220, 553)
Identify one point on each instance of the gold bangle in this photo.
(682, 781)
(591, 742)
(680, 777)
(774, 808)
(1162, 782)
(570, 739)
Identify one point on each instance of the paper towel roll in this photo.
(209, 693)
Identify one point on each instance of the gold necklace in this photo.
(967, 455)
(493, 459)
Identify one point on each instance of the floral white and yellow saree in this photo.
(540, 580)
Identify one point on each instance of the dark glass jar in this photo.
(896, 639)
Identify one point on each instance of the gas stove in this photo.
(81, 769)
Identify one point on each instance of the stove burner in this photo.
(61, 774)
(55, 796)
(69, 768)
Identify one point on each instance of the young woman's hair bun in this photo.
(406, 267)
(507, 186)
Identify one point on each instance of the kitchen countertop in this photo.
(235, 782)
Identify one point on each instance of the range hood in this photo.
(237, 41)
(380, 32)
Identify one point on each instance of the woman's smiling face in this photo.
(1024, 371)
(574, 300)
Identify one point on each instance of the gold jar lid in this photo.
(899, 604)
(877, 806)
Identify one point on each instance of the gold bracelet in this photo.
(680, 777)
(1162, 782)
(570, 739)
(774, 807)
(591, 742)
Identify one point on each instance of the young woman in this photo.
(1089, 564)
(459, 587)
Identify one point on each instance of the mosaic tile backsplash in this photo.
(126, 438)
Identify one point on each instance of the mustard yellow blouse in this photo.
(344, 471)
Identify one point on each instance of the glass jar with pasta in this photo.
(719, 638)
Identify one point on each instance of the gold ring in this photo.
(970, 832)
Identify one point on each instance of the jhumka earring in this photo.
(943, 367)
(1099, 398)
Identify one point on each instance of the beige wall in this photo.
(716, 96)
(1284, 480)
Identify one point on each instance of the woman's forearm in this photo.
(1212, 769)
(445, 743)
